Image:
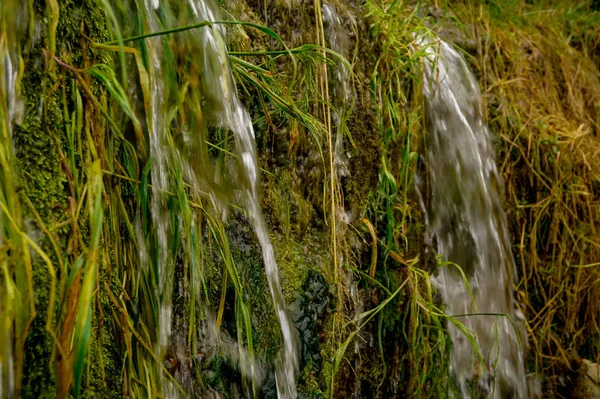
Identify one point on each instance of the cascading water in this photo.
(161, 161)
(235, 118)
(467, 223)
(341, 95)
(222, 107)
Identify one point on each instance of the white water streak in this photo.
(341, 94)
(222, 106)
(161, 184)
(235, 117)
(467, 221)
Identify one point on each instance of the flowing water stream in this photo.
(221, 107)
(341, 94)
(467, 225)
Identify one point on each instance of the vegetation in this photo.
(120, 218)
(539, 68)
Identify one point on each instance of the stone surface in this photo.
(592, 381)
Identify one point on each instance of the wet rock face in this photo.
(310, 311)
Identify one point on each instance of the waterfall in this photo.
(467, 223)
(341, 93)
(9, 64)
(219, 105)
(234, 116)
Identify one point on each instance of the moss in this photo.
(299, 247)
(40, 144)
(248, 259)
(103, 377)
(310, 389)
